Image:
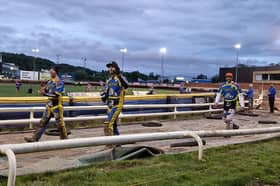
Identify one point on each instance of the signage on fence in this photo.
(45, 75)
(29, 75)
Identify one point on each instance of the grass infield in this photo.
(247, 164)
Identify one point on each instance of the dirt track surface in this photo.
(61, 159)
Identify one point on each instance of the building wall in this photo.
(244, 75)
(248, 74)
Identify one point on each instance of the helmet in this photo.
(114, 64)
(229, 74)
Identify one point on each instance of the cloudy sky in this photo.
(199, 35)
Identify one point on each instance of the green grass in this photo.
(247, 164)
(10, 90)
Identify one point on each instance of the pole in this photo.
(162, 72)
(34, 68)
(85, 62)
(1, 63)
(57, 59)
(122, 61)
(236, 68)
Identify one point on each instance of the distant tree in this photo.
(215, 78)
(274, 64)
(201, 76)
(79, 73)
(166, 81)
(240, 65)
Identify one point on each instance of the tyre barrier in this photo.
(152, 124)
(55, 132)
(190, 143)
(248, 114)
(214, 116)
(267, 122)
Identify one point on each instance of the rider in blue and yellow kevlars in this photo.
(54, 90)
(232, 94)
(113, 96)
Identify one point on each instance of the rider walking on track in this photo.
(232, 94)
(54, 90)
(113, 96)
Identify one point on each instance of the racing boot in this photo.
(228, 127)
(30, 139)
(235, 126)
(63, 132)
(108, 132)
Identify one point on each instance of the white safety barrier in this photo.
(174, 107)
(11, 149)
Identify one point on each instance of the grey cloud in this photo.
(195, 32)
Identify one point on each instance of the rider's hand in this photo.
(215, 105)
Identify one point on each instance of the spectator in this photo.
(250, 95)
(271, 97)
(182, 89)
(18, 85)
(41, 88)
(89, 87)
(102, 86)
(151, 90)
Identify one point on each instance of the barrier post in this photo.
(12, 165)
(175, 111)
(31, 117)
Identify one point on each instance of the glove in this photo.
(104, 96)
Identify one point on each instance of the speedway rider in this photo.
(113, 96)
(54, 90)
(232, 94)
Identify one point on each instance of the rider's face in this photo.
(53, 73)
(111, 70)
(228, 79)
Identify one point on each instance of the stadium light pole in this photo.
(35, 51)
(123, 52)
(84, 59)
(163, 52)
(58, 58)
(237, 47)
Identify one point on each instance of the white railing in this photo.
(11, 149)
(174, 112)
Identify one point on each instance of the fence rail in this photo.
(11, 149)
(174, 112)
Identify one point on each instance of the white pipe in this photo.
(93, 141)
(239, 132)
(85, 142)
(128, 138)
(100, 107)
(12, 165)
(86, 118)
(10, 149)
(199, 143)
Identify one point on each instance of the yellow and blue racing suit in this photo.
(115, 92)
(232, 94)
(54, 91)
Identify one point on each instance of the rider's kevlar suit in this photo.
(114, 98)
(54, 108)
(232, 94)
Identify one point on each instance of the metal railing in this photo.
(11, 149)
(32, 120)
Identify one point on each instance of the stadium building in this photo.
(264, 74)
(10, 71)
